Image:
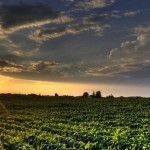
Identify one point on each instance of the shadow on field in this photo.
(3, 109)
(5, 112)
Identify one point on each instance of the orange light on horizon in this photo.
(22, 86)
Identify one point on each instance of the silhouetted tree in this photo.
(93, 94)
(56, 95)
(85, 94)
(98, 94)
(110, 96)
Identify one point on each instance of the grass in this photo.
(44, 123)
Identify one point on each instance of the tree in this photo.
(85, 94)
(93, 94)
(98, 94)
(110, 96)
(56, 95)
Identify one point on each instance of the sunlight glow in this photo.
(20, 86)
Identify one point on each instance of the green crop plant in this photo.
(74, 124)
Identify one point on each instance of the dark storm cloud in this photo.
(10, 66)
(130, 60)
(17, 50)
(43, 70)
(20, 16)
(35, 68)
(128, 70)
(74, 40)
(43, 66)
(55, 69)
(4, 63)
(16, 15)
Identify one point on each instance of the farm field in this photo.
(43, 123)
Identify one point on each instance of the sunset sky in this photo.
(72, 46)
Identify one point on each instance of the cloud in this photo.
(53, 69)
(20, 16)
(33, 66)
(118, 14)
(45, 34)
(16, 15)
(25, 53)
(125, 70)
(37, 22)
(92, 4)
(37, 69)
(131, 13)
(39, 66)
(132, 59)
(7, 65)
(10, 66)
(42, 70)
(8, 47)
(136, 50)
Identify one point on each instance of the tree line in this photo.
(96, 94)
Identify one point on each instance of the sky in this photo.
(72, 46)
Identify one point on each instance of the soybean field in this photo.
(65, 123)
